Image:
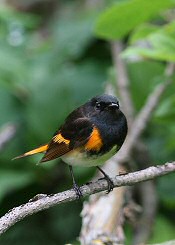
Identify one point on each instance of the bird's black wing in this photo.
(74, 133)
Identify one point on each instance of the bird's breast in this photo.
(84, 159)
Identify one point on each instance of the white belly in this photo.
(80, 158)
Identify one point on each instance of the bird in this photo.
(89, 136)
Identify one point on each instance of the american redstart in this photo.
(90, 135)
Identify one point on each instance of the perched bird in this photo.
(90, 135)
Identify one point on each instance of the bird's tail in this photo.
(40, 149)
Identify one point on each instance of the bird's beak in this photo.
(114, 105)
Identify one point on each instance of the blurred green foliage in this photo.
(121, 18)
(47, 68)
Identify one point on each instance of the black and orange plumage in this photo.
(90, 135)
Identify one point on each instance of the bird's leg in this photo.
(75, 186)
(107, 178)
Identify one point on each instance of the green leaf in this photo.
(145, 30)
(156, 43)
(160, 46)
(121, 18)
(142, 32)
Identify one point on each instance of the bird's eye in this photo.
(97, 105)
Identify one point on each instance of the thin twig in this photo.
(142, 119)
(45, 202)
(122, 80)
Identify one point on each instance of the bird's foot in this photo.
(110, 183)
(77, 191)
(108, 179)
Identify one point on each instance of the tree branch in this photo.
(45, 202)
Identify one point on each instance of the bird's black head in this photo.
(105, 102)
(105, 113)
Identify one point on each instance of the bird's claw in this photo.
(110, 184)
(77, 191)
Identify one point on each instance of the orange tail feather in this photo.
(40, 149)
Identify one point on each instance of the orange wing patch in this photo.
(95, 142)
(40, 149)
(57, 147)
(60, 139)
